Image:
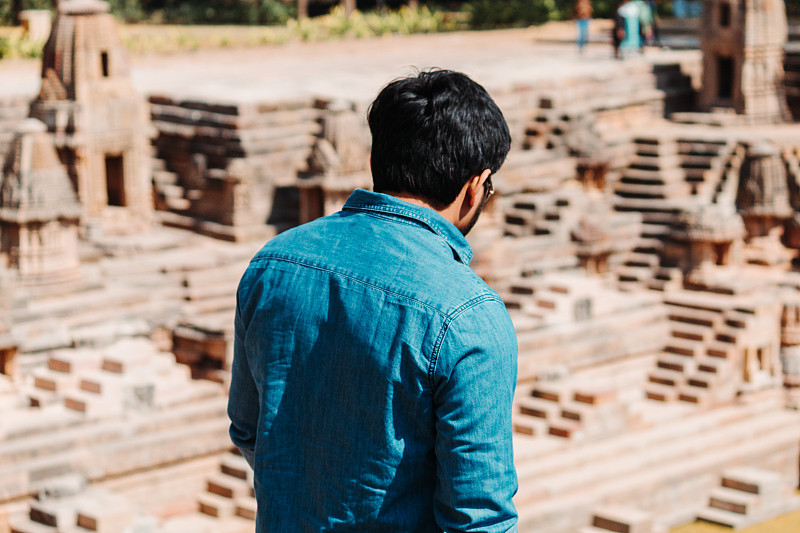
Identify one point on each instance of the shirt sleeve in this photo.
(243, 401)
(474, 379)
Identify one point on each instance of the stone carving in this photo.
(742, 43)
(641, 262)
(39, 213)
(98, 121)
(714, 235)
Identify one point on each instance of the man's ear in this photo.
(475, 187)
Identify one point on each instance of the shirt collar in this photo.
(361, 200)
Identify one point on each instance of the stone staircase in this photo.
(569, 411)
(749, 496)
(651, 185)
(90, 510)
(666, 469)
(666, 176)
(230, 492)
(703, 162)
(620, 519)
(700, 358)
(590, 405)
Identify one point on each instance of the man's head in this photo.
(432, 133)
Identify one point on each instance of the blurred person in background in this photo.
(583, 14)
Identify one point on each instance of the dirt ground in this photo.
(354, 69)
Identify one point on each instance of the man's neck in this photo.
(449, 212)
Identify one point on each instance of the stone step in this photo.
(684, 456)
(733, 500)
(693, 425)
(728, 334)
(668, 377)
(227, 486)
(634, 273)
(649, 246)
(702, 380)
(578, 411)
(721, 350)
(678, 363)
(667, 149)
(528, 425)
(668, 175)
(692, 332)
(216, 506)
(93, 405)
(521, 217)
(246, 508)
(635, 259)
(700, 161)
(723, 518)
(717, 303)
(646, 160)
(567, 429)
(713, 365)
(634, 190)
(700, 149)
(25, 525)
(752, 480)
(679, 449)
(553, 392)
(235, 465)
(660, 393)
(694, 395)
(621, 519)
(699, 317)
(647, 206)
(686, 347)
(737, 319)
(655, 231)
(51, 381)
(539, 408)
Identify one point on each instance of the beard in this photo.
(474, 219)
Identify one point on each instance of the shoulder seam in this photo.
(449, 319)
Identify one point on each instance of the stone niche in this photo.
(99, 122)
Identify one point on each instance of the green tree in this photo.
(10, 9)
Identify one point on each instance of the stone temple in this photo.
(644, 236)
(98, 121)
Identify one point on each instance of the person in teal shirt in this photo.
(373, 370)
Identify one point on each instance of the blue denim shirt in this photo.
(373, 375)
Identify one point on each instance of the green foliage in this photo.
(228, 11)
(7, 6)
(17, 46)
(404, 21)
(128, 10)
(148, 39)
(181, 11)
(498, 13)
(485, 14)
(276, 11)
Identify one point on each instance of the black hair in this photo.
(432, 132)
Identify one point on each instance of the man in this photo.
(374, 371)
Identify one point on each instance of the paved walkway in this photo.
(353, 69)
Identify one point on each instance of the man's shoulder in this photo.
(411, 263)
